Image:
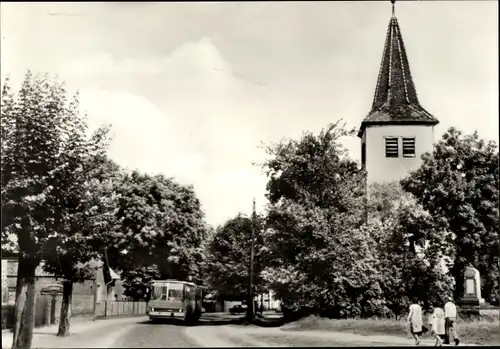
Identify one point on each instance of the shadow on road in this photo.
(219, 319)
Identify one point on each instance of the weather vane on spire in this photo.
(393, 2)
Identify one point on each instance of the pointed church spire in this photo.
(395, 99)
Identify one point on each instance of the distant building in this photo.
(268, 301)
(397, 130)
(106, 281)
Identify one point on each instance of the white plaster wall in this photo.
(381, 169)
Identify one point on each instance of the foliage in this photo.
(60, 169)
(317, 268)
(317, 171)
(410, 247)
(228, 258)
(161, 227)
(324, 257)
(36, 128)
(458, 185)
(135, 281)
(32, 133)
(85, 203)
(319, 260)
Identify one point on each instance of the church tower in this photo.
(397, 130)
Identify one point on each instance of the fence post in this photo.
(53, 309)
(95, 296)
(105, 308)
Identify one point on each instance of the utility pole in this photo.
(250, 305)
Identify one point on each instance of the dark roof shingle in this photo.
(395, 100)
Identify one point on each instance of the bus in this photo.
(175, 299)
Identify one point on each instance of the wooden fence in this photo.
(48, 309)
(44, 316)
(124, 308)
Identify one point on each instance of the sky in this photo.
(193, 90)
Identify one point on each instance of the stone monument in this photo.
(472, 287)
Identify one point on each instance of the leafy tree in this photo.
(135, 281)
(458, 185)
(319, 266)
(88, 216)
(409, 247)
(318, 260)
(324, 257)
(63, 166)
(228, 258)
(161, 231)
(317, 170)
(83, 204)
(34, 129)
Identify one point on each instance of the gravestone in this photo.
(472, 287)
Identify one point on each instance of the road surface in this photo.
(133, 332)
(214, 330)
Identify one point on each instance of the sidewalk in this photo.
(83, 334)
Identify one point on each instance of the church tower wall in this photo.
(382, 168)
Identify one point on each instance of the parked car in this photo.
(238, 309)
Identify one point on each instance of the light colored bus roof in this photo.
(174, 281)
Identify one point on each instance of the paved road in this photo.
(145, 334)
(137, 332)
(214, 330)
(168, 334)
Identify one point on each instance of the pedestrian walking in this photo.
(415, 320)
(437, 324)
(450, 315)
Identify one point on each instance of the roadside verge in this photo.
(88, 334)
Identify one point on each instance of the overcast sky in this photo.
(192, 89)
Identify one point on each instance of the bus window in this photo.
(175, 291)
(159, 293)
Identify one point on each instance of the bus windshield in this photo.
(168, 292)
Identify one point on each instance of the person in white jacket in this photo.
(437, 325)
(415, 320)
(450, 314)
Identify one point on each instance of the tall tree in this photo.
(409, 247)
(161, 229)
(458, 185)
(47, 162)
(75, 253)
(316, 193)
(33, 129)
(228, 258)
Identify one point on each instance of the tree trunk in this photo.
(25, 304)
(65, 309)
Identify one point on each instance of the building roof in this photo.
(114, 276)
(395, 100)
